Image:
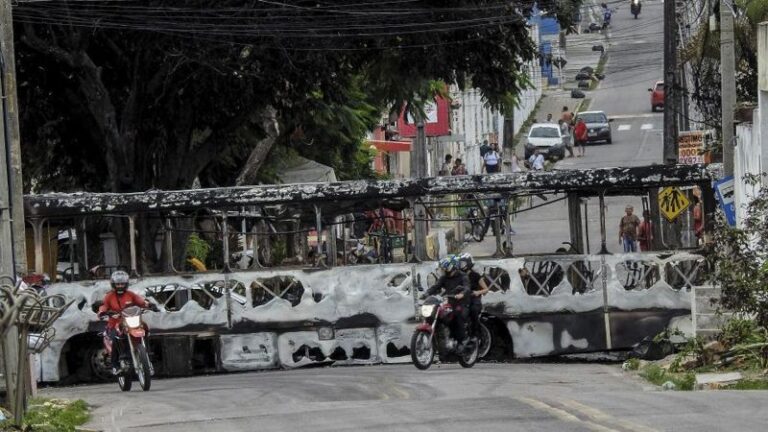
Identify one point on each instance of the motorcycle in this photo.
(479, 226)
(359, 255)
(131, 334)
(635, 8)
(433, 336)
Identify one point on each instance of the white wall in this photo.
(747, 160)
(472, 121)
(752, 139)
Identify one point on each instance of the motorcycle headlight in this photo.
(133, 321)
(426, 310)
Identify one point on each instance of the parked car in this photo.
(598, 126)
(547, 138)
(657, 96)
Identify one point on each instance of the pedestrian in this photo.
(628, 227)
(698, 220)
(580, 133)
(565, 128)
(549, 118)
(447, 167)
(515, 165)
(645, 232)
(537, 161)
(492, 160)
(484, 148)
(566, 115)
(459, 168)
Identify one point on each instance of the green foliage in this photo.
(742, 331)
(112, 103)
(739, 258)
(198, 248)
(632, 364)
(54, 415)
(658, 376)
(749, 384)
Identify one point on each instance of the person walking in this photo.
(492, 160)
(447, 166)
(566, 116)
(580, 133)
(628, 227)
(565, 129)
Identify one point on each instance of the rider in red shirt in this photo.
(114, 302)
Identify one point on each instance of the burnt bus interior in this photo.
(85, 237)
(88, 236)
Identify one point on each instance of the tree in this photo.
(740, 260)
(703, 52)
(156, 93)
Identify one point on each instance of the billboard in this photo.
(691, 146)
(436, 123)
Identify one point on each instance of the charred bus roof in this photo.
(343, 196)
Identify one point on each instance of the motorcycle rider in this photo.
(455, 283)
(479, 288)
(114, 302)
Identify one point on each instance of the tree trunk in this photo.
(267, 120)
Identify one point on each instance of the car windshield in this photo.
(594, 118)
(545, 132)
(659, 86)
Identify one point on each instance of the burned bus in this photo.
(284, 276)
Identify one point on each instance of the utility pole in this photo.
(671, 101)
(10, 110)
(728, 83)
(12, 253)
(419, 170)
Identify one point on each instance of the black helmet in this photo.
(119, 281)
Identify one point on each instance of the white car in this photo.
(547, 138)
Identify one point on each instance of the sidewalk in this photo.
(578, 54)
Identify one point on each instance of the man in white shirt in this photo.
(492, 160)
(537, 161)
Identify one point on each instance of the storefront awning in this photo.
(391, 146)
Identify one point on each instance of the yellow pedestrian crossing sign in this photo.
(672, 203)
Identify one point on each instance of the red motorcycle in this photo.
(131, 333)
(433, 336)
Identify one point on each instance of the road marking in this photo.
(647, 126)
(624, 127)
(596, 414)
(564, 415)
(634, 116)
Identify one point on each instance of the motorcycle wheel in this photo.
(124, 381)
(351, 259)
(143, 371)
(422, 350)
(478, 233)
(485, 341)
(468, 359)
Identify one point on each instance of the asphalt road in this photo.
(635, 63)
(489, 397)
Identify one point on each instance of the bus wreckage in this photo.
(271, 293)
